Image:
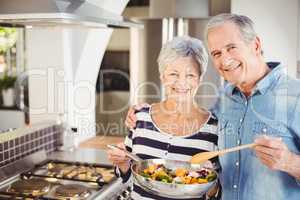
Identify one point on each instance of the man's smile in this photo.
(231, 66)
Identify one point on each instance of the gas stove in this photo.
(37, 177)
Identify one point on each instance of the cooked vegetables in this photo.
(179, 175)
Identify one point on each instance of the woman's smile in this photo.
(181, 90)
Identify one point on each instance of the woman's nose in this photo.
(181, 79)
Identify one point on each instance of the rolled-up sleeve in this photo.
(295, 126)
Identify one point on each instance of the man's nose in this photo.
(226, 59)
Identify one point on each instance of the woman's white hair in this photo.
(183, 46)
(244, 23)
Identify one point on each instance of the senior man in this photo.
(259, 103)
(258, 99)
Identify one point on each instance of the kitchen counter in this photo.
(10, 135)
(92, 150)
(100, 142)
(81, 155)
(113, 190)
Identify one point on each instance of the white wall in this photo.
(11, 119)
(277, 25)
(44, 59)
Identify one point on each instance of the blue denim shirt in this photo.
(273, 109)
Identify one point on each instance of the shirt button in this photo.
(246, 102)
(166, 153)
(237, 163)
(238, 142)
(241, 120)
(234, 186)
(264, 130)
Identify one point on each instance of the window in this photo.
(12, 65)
(114, 72)
(12, 60)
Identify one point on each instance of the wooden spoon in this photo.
(204, 156)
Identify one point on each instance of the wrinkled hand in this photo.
(130, 121)
(119, 158)
(273, 152)
(212, 192)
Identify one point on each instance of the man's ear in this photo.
(257, 43)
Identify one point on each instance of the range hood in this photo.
(30, 13)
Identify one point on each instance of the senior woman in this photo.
(175, 128)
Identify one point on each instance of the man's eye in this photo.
(231, 48)
(173, 74)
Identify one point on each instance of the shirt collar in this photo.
(264, 84)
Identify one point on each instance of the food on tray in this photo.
(159, 172)
(107, 174)
(89, 173)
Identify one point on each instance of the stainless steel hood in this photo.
(30, 13)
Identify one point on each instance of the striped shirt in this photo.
(148, 142)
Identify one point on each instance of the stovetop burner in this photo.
(34, 187)
(72, 191)
(83, 172)
(38, 178)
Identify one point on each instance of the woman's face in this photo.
(181, 79)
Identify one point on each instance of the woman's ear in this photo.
(161, 77)
(200, 79)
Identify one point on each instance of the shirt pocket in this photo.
(272, 128)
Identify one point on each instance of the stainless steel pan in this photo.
(171, 190)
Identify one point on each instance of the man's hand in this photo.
(274, 153)
(130, 120)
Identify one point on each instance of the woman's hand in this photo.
(213, 192)
(130, 121)
(119, 158)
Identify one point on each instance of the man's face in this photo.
(234, 59)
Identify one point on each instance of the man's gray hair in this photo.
(183, 46)
(244, 23)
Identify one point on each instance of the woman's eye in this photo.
(191, 75)
(173, 74)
